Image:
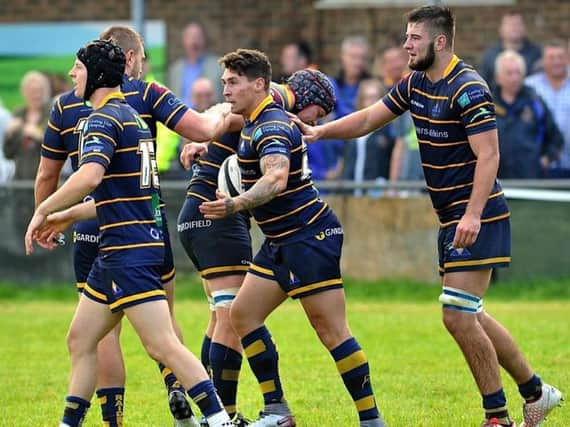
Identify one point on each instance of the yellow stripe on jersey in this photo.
(135, 246)
(122, 175)
(45, 147)
(459, 73)
(248, 160)
(58, 103)
(298, 171)
(294, 211)
(145, 116)
(454, 187)
(55, 128)
(475, 107)
(266, 101)
(396, 102)
(410, 84)
(123, 199)
(120, 224)
(132, 93)
(74, 153)
(225, 269)
(225, 147)
(294, 150)
(294, 190)
(459, 202)
(255, 348)
(449, 166)
(403, 100)
(65, 131)
(463, 86)
(126, 150)
(442, 122)
(169, 118)
(271, 137)
(483, 221)
(427, 95)
(97, 155)
(205, 162)
(159, 100)
(318, 214)
(77, 104)
(137, 297)
(442, 144)
(454, 61)
(107, 137)
(254, 267)
(118, 123)
(476, 262)
(110, 97)
(285, 233)
(145, 94)
(314, 286)
(244, 136)
(492, 119)
(198, 196)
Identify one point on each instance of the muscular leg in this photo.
(225, 348)
(327, 314)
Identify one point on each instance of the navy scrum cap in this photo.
(311, 87)
(105, 63)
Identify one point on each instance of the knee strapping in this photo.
(457, 299)
(223, 298)
(211, 304)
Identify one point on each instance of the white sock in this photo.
(218, 419)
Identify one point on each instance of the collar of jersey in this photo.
(255, 113)
(109, 97)
(454, 61)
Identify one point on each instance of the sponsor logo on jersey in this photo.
(200, 223)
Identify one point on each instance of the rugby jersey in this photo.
(153, 102)
(206, 168)
(116, 137)
(445, 113)
(267, 131)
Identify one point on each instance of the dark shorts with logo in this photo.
(492, 248)
(304, 267)
(216, 247)
(121, 287)
(86, 248)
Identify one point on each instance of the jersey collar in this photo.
(454, 61)
(109, 97)
(257, 111)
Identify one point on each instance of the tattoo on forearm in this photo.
(267, 187)
(230, 205)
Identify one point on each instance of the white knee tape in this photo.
(224, 297)
(211, 304)
(457, 299)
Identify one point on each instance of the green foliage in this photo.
(418, 373)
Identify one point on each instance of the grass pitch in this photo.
(418, 373)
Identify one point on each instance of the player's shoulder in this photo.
(463, 75)
(281, 95)
(68, 100)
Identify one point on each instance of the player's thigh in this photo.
(326, 309)
(475, 282)
(151, 321)
(91, 322)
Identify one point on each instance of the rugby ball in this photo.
(229, 177)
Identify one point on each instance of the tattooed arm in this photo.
(275, 169)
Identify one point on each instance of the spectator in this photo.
(405, 164)
(59, 83)
(512, 33)
(25, 132)
(529, 139)
(6, 166)
(198, 62)
(368, 158)
(553, 85)
(203, 94)
(294, 57)
(354, 58)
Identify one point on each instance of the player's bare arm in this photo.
(275, 169)
(357, 124)
(191, 151)
(485, 146)
(47, 179)
(203, 127)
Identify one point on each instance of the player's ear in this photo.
(440, 42)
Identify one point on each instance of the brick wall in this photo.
(268, 24)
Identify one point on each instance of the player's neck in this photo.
(101, 95)
(255, 106)
(442, 60)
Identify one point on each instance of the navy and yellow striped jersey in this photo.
(205, 170)
(153, 102)
(445, 113)
(117, 138)
(267, 131)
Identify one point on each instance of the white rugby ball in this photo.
(229, 177)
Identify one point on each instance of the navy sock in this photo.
(532, 389)
(170, 380)
(204, 395)
(205, 354)
(111, 401)
(75, 410)
(495, 405)
(353, 367)
(226, 365)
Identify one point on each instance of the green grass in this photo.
(418, 373)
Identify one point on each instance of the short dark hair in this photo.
(251, 63)
(439, 20)
(304, 50)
